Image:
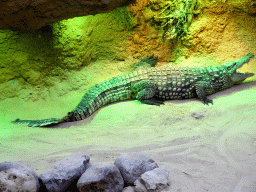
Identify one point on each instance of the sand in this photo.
(205, 148)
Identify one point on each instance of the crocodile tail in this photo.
(109, 91)
(38, 123)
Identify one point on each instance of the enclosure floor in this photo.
(205, 148)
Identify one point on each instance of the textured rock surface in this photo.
(66, 172)
(220, 6)
(27, 15)
(57, 49)
(17, 177)
(133, 165)
(248, 6)
(155, 180)
(101, 177)
(129, 189)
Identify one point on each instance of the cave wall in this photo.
(45, 58)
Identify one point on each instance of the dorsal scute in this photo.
(213, 71)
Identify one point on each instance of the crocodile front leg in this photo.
(145, 91)
(202, 88)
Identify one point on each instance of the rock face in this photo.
(28, 15)
(248, 6)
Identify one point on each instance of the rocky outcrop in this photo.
(28, 15)
(248, 6)
(221, 6)
(137, 171)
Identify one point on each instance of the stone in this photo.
(155, 180)
(101, 177)
(129, 189)
(26, 15)
(65, 172)
(133, 165)
(15, 176)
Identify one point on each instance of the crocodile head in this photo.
(232, 66)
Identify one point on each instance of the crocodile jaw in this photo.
(232, 67)
(238, 77)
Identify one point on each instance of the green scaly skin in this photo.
(153, 86)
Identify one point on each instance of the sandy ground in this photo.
(205, 148)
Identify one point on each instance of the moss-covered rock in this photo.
(50, 53)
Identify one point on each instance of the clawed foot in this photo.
(207, 101)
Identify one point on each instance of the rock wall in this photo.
(41, 59)
(223, 30)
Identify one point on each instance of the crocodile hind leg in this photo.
(145, 91)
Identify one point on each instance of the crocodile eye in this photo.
(230, 67)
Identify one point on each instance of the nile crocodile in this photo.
(153, 85)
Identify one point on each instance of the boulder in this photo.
(101, 177)
(155, 180)
(15, 176)
(65, 172)
(133, 165)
